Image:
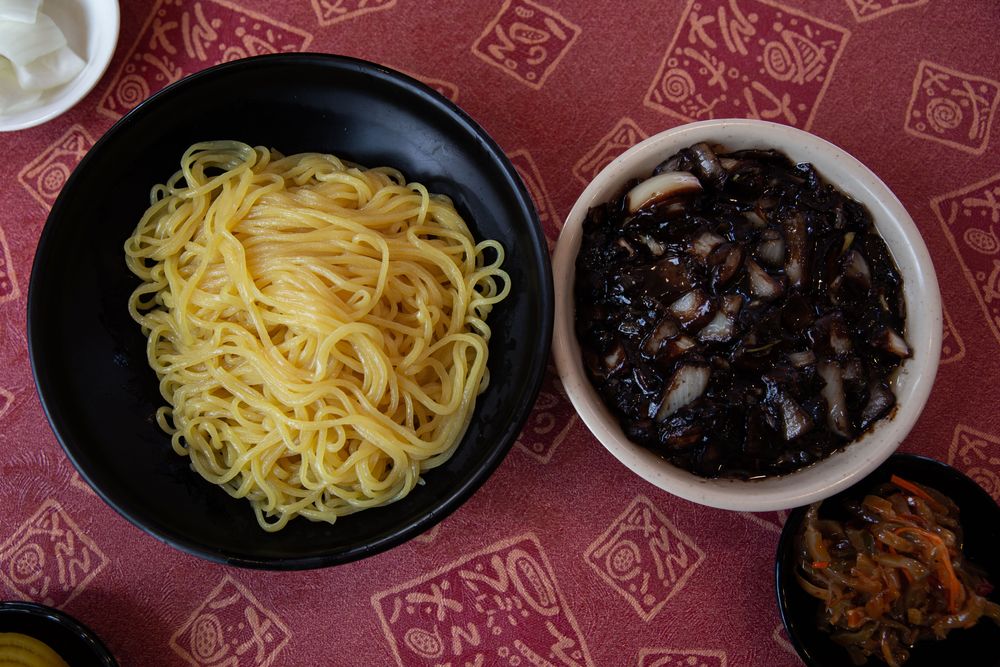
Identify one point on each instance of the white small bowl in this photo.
(912, 383)
(91, 29)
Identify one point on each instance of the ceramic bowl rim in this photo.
(913, 384)
(72, 92)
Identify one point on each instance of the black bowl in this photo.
(88, 356)
(73, 641)
(980, 518)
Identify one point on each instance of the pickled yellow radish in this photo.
(20, 650)
(34, 56)
(24, 11)
(51, 70)
(13, 98)
(23, 42)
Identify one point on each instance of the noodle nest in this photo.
(318, 328)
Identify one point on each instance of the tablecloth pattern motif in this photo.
(563, 558)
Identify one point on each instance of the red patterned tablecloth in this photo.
(563, 557)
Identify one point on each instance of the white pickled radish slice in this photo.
(661, 186)
(51, 70)
(22, 11)
(12, 97)
(23, 42)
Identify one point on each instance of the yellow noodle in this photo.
(318, 328)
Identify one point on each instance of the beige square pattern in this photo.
(952, 107)
(747, 58)
(977, 454)
(45, 176)
(866, 10)
(625, 134)
(526, 40)
(231, 628)
(644, 557)
(9, 290)
(181, 37)
(500, 605)
(952, 346)
(49, 559)
(970, 219)
(6, 401)
(329, 12)
(679, 657)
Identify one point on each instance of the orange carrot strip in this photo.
(855, 618)
(915, 490)
(820, 564)
(950, 580)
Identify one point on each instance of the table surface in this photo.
(574, 560)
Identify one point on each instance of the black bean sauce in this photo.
(740, 316)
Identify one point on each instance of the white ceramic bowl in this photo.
(912, 383)
(91, 29)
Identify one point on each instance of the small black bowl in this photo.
(89, 357)
(73, 641)
(980, 518)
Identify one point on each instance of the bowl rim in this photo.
(805, 485)
(539, 346)
(64, 622)
(73, 92)
(795, 517)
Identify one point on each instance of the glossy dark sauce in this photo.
(767, 289)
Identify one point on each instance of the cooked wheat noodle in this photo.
(318, 328)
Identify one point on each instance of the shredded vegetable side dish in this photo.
(891, 572)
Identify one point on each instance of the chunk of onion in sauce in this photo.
(687, 383)
(661, 187)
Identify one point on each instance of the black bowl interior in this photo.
(980, 517)
(74, 642)
(88, 356)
